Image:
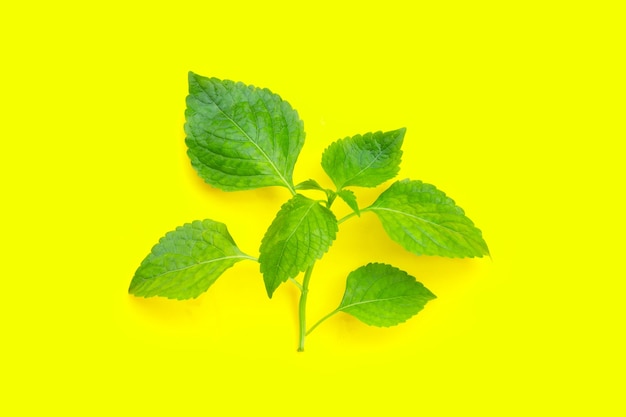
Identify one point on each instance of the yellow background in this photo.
(515, 109)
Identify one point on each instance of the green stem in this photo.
(323, 319)
(349, 216)
(302, 309)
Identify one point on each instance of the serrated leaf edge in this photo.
(341, 309)
(374, 208)
(242, 256)
(288, 184)
(314, 202)
(401, 130)
(381, 151)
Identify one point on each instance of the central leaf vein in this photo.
(380, 152)
(251, 140)
(372, 301)
(282, 252)
(413, 216)
(202, 263)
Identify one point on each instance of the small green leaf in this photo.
(426, 222)
(314, 185)
(186, 261)
(350, 199)
(240, 137)
(365, 161)
(383, 295)
(310, 185)
(300, 234)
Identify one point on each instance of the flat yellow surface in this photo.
(515, 110)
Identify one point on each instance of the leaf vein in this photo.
(380, 152)
(419, 219)
(282, 252)
(170, 271)
(372, 301)
(249, 138)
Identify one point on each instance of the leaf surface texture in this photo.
(301, 233)
(425, 221)
(186, 261)
(241, 137)
(383, 295)
(364, 160)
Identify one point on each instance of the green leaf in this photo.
(310, 185)
(240, 137)
(350, 199)
(426, 222)
(300, 234)
(186, 261)
(382, 295)
(314, 185)
(365, 161)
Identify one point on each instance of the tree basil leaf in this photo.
(383, 295)
(426, 222)
(310, 185)
(365, 161)
(240, 137)
(186, 261)
(350, 199)
(301, 233)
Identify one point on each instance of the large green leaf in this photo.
(383, 295)
(240, 137)
(186, 261)
(301, 233)
(365, 161)
(426, 222)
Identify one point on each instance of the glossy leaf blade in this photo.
(186, 261)
(365, 161)
(383, 295)
(425, 221)
(240, 137)
(300, 234)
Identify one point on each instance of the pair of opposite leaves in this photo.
(241, 137)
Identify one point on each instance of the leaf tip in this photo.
(430, 296)
(132, 288)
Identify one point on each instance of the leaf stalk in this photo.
(347, 217)
(323, 319)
